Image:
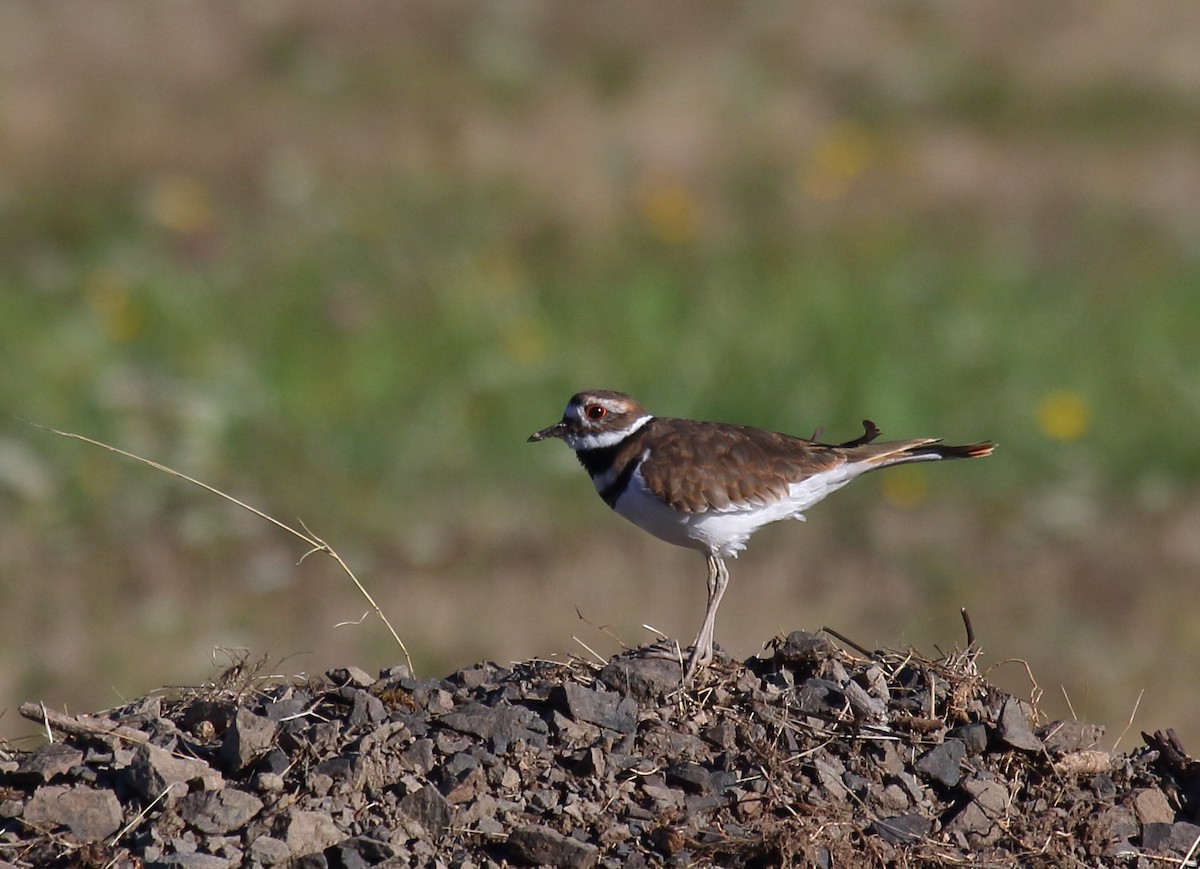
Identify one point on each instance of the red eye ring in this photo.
(595, 411)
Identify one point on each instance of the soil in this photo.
(808, 754)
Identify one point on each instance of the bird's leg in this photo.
(702, 649)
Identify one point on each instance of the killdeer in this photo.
(710, 485)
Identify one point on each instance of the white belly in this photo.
(724, 532)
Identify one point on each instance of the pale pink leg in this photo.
(702, 649)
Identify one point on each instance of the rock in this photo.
(901, 828)
(1177, 838)
(47, 762)
(248, 737)
(307, 832)
(1065, 737)
(820, 697)
(90, 815)
(941, 763)
(979, 820)
(643, 678)
(611, 711)
(365, 708)
(1013, 727)
(1150, 806)
(157, 774)
(692, 777)
(353, 677)
(974, 737)
(429, 810)
(863, 705)
(502, 725)
(803, 648)
(219, 812)
(269, 851)
(192, 860)
(538, 845)
(360, 851)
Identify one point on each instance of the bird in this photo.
(711, 485)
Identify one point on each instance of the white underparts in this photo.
(725, 532)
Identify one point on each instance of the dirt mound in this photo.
(804, 755)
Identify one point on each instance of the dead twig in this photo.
(80, 725)
(315, 543)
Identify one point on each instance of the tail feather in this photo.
(967, 451)
(924, 450)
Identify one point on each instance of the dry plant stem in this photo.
(1187, 858)
(966, 617)
(1132, 715)
(317, 544)
(80, 725)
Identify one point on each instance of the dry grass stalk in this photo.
(315, 543)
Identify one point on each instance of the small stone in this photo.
(941, 763)
(1117, 823)
(974, 737)
(722, 734)
(892, 797)
(365, 709)
(829, 773)
(269, 851)
(90, 815)
(876, 682)
(480, 675)
(219, 812)
(1150, 806)
(46, 762)
(307, 832)
(418, 757)
(1177, 838)
(901, 828)
(353, 676)
(645, 678)
(1103, 786)
(343, 770)
(248, 737)
(539, 845)
(193, 859)
(1065, 737)
(612, 711)
(429, 810)
(1013, 727)
(664, 797)
(359, 851)
(819, 697)
(863, 705)
(463, 787)
(692, 777)
(502, 725)
(801, 647)
(154, 770)
(979, 820)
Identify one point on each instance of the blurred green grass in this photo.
(342, 263)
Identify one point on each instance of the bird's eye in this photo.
(596, 411)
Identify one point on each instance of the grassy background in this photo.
(341, 260)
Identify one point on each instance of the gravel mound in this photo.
(804, 755)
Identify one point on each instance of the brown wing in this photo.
(699, 466)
